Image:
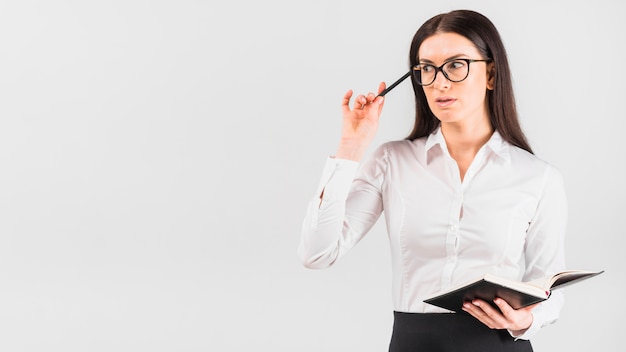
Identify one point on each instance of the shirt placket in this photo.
(454, 220)
(452, 238)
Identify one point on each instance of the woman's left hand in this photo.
(515, 320)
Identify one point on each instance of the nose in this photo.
(441, 81)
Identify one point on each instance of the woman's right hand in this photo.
(360, 123)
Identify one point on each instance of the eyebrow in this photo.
(457, 56)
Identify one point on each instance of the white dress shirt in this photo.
(507, 217)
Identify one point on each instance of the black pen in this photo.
(382, 94)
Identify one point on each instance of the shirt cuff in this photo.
(337, 178)
(531, 331)
(541, 317)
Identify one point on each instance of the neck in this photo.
(464, 141)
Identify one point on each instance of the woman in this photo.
(463, 195)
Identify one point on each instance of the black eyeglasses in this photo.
(455, 70)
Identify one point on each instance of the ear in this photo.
(491, 75)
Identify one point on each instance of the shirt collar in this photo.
(435, 138)
(496, 144)
(499, 147)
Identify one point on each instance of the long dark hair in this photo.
(479, 30)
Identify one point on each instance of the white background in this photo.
(156, 158)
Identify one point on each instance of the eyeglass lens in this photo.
(455, 71)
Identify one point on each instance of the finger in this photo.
(489, 310)
(504, 307)
(371, 98)
(478, 313)
(382, 86)
(489, 315)
(471, 309)
(503, 316)
(475, 309)
(360, 102)
(509, 311)
(515, 319)
(380, 101)
(345, 103)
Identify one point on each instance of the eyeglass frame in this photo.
(440, 69)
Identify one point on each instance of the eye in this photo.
(427, 68)
(456, 65)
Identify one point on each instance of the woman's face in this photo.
(456, 102)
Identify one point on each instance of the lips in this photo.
(444, 101)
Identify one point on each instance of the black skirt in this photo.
(449, 332)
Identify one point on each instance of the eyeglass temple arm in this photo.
(382, 94)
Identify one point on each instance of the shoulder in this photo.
(525, 158)
(400, 147)
(533, 166)
(388, 155)
(397, 145)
